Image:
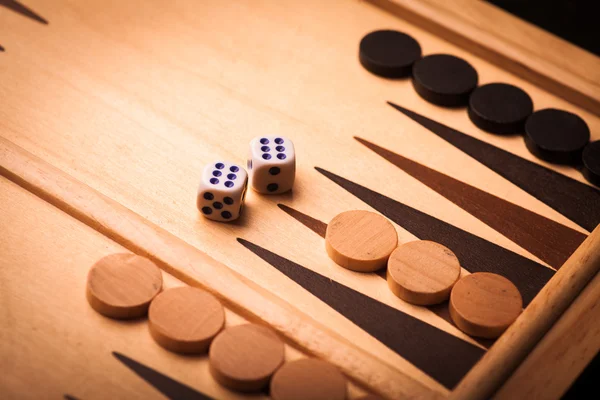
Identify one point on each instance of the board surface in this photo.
(132, 99)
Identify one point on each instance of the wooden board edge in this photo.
(497, 51)
(512, 348)
(196, 268)
(562, 354)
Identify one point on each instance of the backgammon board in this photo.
(110, 110)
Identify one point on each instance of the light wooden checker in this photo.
(308, 379)
(123, 285)
(422, 272)
(360, 240)
(177, 79)
(245, 357)
(484, 304)
(185, 320)
(74, 356)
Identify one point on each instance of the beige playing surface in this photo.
(51, 336)
(133, 98)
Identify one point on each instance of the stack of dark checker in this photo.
(553, 135)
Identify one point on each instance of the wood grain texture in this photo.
(135, 110)
(185, 320)
(360, 240)
(182, 261)
(422, 272)
(319, 227)
(474, 253)
(64, 345)
(169, 387)
(514, 345)
(442, 356)
(550, 241)
(122, 285)
(147, 154)
(575, 200)
(484, 304)
(510, 43)
(245, 357)
(308, 379)
(568, 348)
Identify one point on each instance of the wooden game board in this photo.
(109, 112)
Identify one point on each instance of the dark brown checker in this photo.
(543, 237)
(388, 53)
(500, 108)
(573, 199)
(475, 254)
(591, 162)
(556, 136)
(444, 79)
(441, 355)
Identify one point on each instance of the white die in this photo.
(222, 191)
(272, 164)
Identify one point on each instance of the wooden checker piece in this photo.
(556, 135)
(500, 108)
(308, 378)
(422, 272)
(444, 79)
(122, 285)
(360, 240)
(185, 319)
(389, 53)
(591, 162)
(244, 357)
(484, 304)
(149, 133)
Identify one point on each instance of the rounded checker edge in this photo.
(389, 53)
(422, 272)
(185, 319)
(444, 80)
(122, 285)
(360, 240)
(591, 162)
(245, 357)
(500, 108)
(556, 136)
(308, 378)
(484, 304)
